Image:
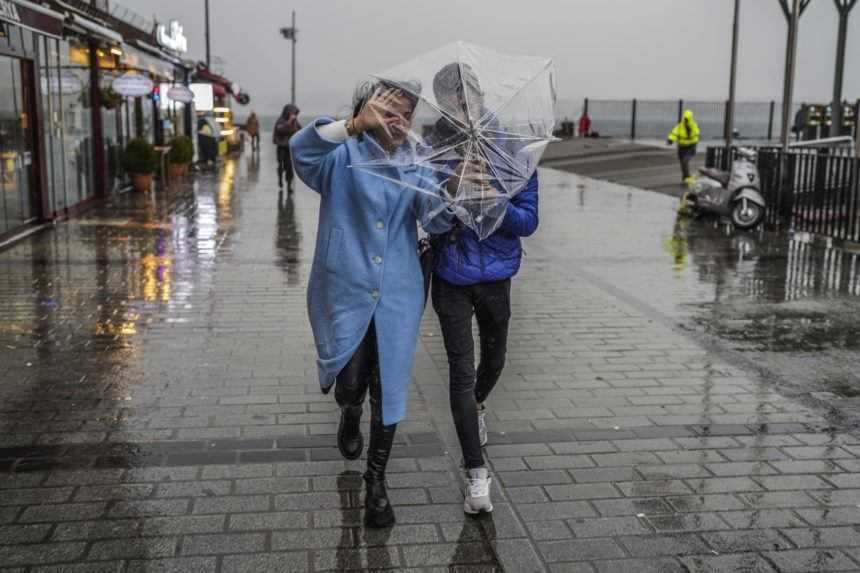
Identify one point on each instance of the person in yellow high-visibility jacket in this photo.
(686, 135)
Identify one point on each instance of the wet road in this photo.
(675, 399)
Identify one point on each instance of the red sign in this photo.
(32, 16)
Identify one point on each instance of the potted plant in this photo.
(180, 155)
(140, 161)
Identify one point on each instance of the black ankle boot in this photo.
(349, 439)
(377, 508)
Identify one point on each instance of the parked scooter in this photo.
(735, 195)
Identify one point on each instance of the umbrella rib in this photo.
(444, 113)
(518, 92)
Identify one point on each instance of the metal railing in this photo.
(810, 189)
(650, 119)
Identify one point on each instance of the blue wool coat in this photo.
(365, 262)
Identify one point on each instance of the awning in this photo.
(157, 52)
(221, 83)
(96, 29)
(33, 17)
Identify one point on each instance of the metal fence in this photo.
(652, 119)
(816, 190)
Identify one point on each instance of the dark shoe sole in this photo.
(379, 519)
(347, 455)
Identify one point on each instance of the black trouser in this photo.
(359, 375)
(490, 303)
(255, 141)
(686, 153)
(285, 165)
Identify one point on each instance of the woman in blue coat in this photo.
(366, 293)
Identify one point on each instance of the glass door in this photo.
(17, 203)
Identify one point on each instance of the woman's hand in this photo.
(382, 111)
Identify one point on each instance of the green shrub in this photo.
(181, 150)
(139, 157)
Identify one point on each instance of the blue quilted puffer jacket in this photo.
(464, 260)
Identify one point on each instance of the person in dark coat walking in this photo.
(472, 277)
(286, 126)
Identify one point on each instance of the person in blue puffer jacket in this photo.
(473, 277)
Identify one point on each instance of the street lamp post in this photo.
(290, 34)
(844, 7)
(730, 110)
(208, 58)
(793, 17)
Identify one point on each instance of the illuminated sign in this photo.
(8, 11)
(132, 85)
(170, 36)
(180, 94)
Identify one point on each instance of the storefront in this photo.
(62, 125)
(26, 31)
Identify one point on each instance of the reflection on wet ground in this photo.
(788, 302)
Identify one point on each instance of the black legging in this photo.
(285, 165)
(455, 305)
(359, 375)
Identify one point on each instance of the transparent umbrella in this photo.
(474, 132)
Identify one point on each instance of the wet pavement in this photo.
(677, 398)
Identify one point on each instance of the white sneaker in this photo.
(478, 492)
(482, 425)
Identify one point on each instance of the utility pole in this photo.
(793, 16)
(208, 56)
(290, 34)
(844, 8)
(730, 109)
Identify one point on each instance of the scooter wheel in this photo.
(746, 214)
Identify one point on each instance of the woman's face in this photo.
(398, 117)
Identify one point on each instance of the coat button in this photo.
(380, 225)
(377, 259)
(374, 293)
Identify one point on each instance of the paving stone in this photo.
(296, 562)
(180, 565)
(605, 474)
(555, 510)
(811, 560)
(616, 507)
(608, 526)
(151, 547)
(40, 553)
(232, 504)
(748, 540)
(687, 522)
(543, 477)
(548, 530)
(223, 543)
(207, 488)
(639, 566)
(269, 521)
(581, 491)
(823, 537)
(63, 512)
(665, 545)
(365, 558)
(745, 562)
(712, 502)
(576, 550)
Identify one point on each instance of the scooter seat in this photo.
(723, 177)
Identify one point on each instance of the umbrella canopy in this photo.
(479, 123)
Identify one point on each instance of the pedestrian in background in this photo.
(365, 293)
(286, 126)
(252, 126)
(686, 135)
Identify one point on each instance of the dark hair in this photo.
(289, 109)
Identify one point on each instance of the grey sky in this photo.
(602, 48)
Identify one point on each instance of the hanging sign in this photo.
(171, 36)
(68, 83)
(180, 94)
(132, 85)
